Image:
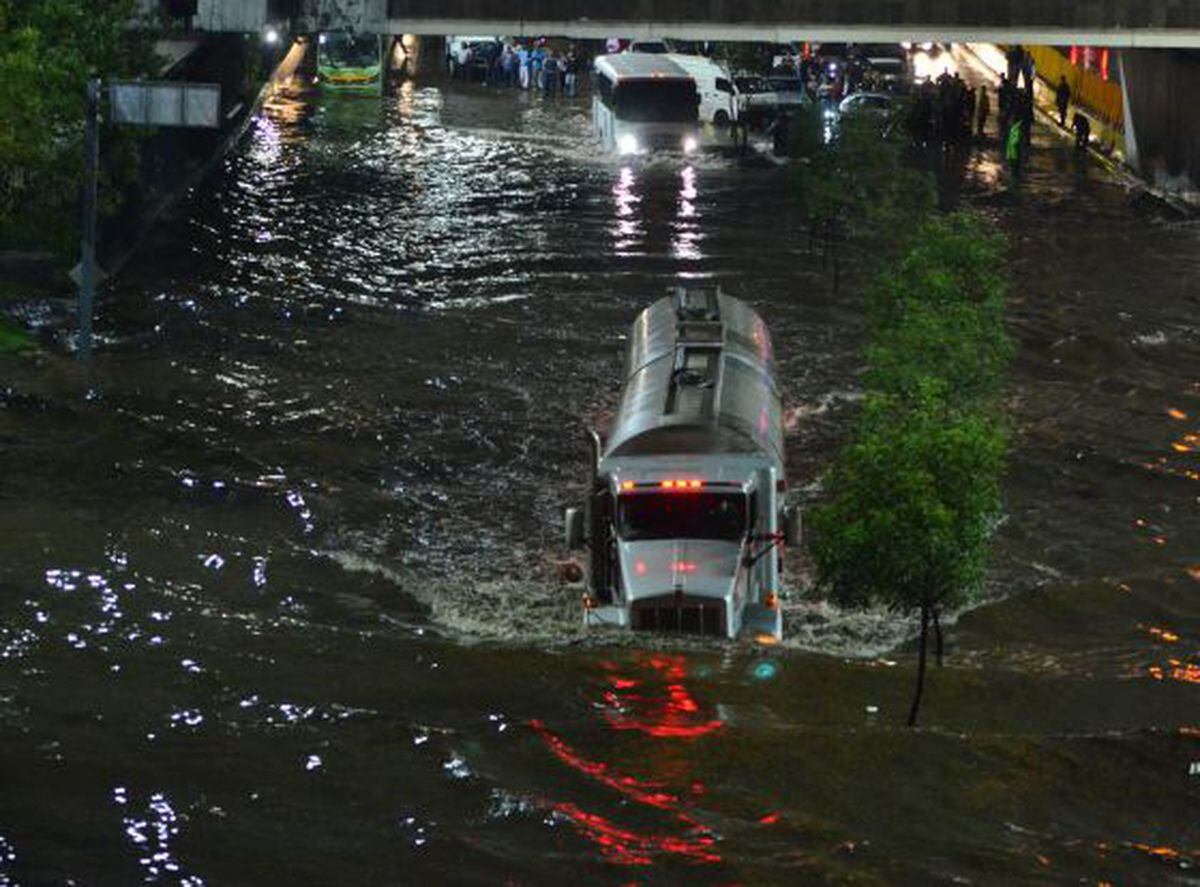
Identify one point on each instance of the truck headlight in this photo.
(690, 145)
(627, 144)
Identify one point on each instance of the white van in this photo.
(718, 94)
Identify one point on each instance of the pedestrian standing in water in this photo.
(523, 60)
(537, 60)
(550, 76)
(572, 74)
(983, 107)
(1062, 98)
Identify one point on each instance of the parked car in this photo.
(653, 47)
(468, 57)
(874, 103)
(889, 66)
(761, 99)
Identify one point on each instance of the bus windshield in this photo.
(681, 516)
(656, 101)
(338, 50)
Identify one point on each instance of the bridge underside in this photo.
(788, 32)
(1116, 23)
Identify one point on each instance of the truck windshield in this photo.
(657, 101)
(681, 516)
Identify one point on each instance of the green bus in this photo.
(348, 61)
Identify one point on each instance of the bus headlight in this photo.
(690, 145)
(627, 144)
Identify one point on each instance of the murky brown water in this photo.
(276, 580)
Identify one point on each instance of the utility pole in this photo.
(87, 264)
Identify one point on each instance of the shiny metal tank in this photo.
(699, 379)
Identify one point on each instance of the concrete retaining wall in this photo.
(1161, 91)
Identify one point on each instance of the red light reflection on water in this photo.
(660, 706)
(627, 847)
(675, 715)
(642, 791)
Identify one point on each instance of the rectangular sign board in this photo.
(165, 103)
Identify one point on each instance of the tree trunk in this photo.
(916, 703)
(937, 637)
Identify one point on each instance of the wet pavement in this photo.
(277, 577)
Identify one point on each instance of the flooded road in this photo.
(277, 578)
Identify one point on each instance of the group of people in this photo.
(948, 112)
(529, 66)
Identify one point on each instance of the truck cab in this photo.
(685, 522)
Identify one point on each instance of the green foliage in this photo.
(48, 49)
(912, 501)
(940, 316)
(860, 179)
(13, 340)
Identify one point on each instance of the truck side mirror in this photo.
(791, 525)
(573, 529)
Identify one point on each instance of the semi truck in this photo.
(686, 516)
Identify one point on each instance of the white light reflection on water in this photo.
(627, 233)
(266, 144)
(685, 244)
(7, 857)
(151, 835)
(295, 499)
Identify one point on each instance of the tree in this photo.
(940, 315)
(48, 49)
(855, 183)
(912, 505)
(912, 501)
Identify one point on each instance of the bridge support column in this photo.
(1162, 118)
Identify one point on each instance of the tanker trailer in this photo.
(686, 517)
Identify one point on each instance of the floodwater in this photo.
(278, 594)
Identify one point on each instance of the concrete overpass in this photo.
(1161, 132)
(1114, 23)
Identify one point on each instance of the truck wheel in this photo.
(721, 119)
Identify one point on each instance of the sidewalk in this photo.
(1107, 149)
(1103, 136)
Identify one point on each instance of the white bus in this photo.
(645, 103)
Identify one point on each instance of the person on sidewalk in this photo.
(1007, 95)
(983, 107)
(1083, 131)
(1062, 98)
(1026, 116)
(1014, 148)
